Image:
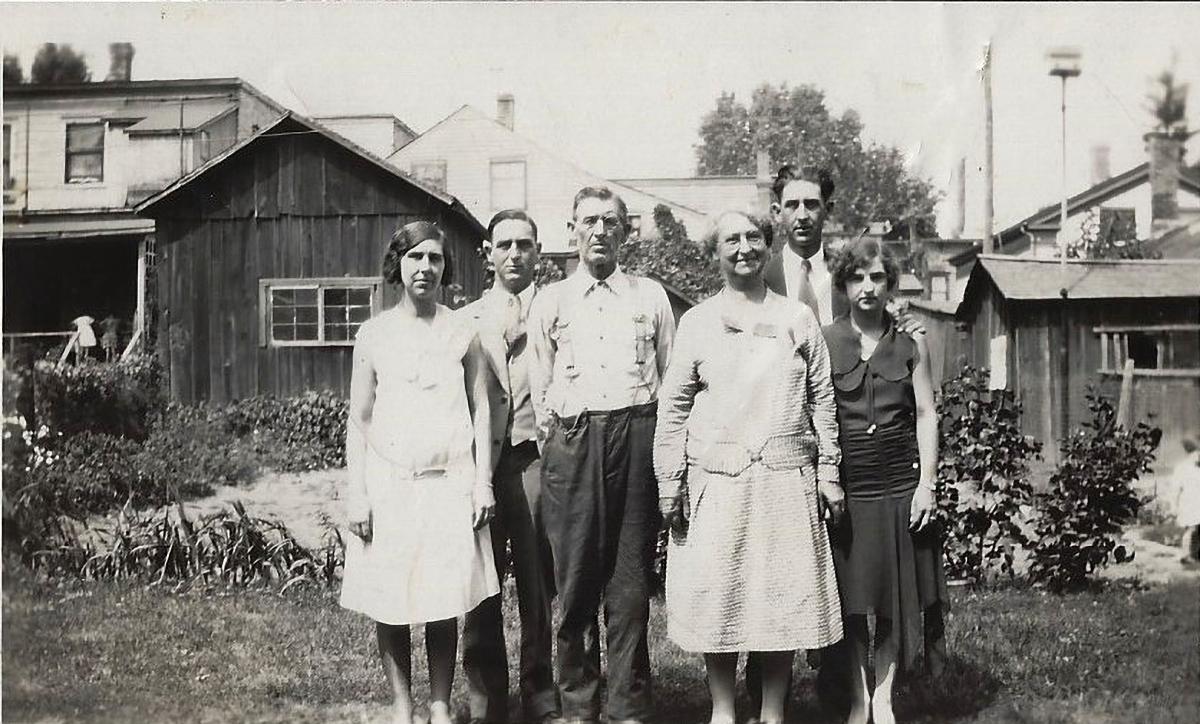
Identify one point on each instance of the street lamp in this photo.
(1064, 63)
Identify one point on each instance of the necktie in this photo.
(805, 291)
(514, 325)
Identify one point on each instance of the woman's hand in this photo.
(484, 505)
(671, 508)
(362, 529)
(924, 505)
(831, 501)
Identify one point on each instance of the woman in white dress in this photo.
(419, 465)
(745, 451)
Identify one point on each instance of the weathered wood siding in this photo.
(288, 206)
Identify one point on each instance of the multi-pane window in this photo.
(508, 185)
(316, 311)
(1156, 349)
(431, 172)
(85, 152)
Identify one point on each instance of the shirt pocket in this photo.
(564, 346)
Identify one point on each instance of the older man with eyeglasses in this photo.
(601, 341)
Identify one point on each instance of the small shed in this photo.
(1048, 330)
(268, 259)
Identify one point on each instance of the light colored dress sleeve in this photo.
(676, 397)
(823, 405)
(362, 397)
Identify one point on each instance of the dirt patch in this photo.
(301, 501)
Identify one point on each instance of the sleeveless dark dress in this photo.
(882, 567)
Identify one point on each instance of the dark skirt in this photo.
(883, 568)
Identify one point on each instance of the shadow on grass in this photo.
(962, 691)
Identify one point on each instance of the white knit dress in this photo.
(424, 561)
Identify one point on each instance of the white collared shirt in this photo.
(598, 345)
(820, 278)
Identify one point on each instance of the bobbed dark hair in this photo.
(860, 253)
(405, 238)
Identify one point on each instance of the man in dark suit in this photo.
(499, 319)
(799, 266)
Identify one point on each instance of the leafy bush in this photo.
(1091, 497)
(983, 469)
(292, 434)
(190, 449)
(86, 473)
(117, 399)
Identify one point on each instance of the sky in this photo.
(620, 88)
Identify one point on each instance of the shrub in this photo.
(293, 434)
(1091, 497)
(189, 451)
(109, 398)
(84, 474)
(983, 470)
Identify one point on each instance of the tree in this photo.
(671, 257)
(1169, 104)
(59, 64)
(794, 126)
(14, 74)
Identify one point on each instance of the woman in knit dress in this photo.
(887, 552)
(746, 456)
(418, 499)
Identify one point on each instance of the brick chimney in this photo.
(1101, 170)
(505, 110)
(1165, 153)
(120, 68)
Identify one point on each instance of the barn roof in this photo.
(278, 127)
(1043, 279)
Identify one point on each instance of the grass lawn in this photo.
(127, 653)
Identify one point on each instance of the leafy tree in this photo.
(59, 64)
(1169, 104)
(14, 74)
(794, 126)
(671, 257)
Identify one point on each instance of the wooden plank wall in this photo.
(287, 207)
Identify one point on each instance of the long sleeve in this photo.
(664, 337)
(681, 382)
(822, 404)
(541, 362)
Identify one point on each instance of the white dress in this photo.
(424, 561)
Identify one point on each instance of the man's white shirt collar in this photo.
(618, 282)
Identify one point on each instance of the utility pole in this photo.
(989, 208)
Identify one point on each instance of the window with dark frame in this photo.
(85, 152)
(302, 312)
(1154, 349)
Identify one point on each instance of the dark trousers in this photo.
(517, 486)
(600, 506)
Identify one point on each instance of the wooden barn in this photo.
(1016, 314)
(268, 258)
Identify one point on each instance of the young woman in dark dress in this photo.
(886, 551)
